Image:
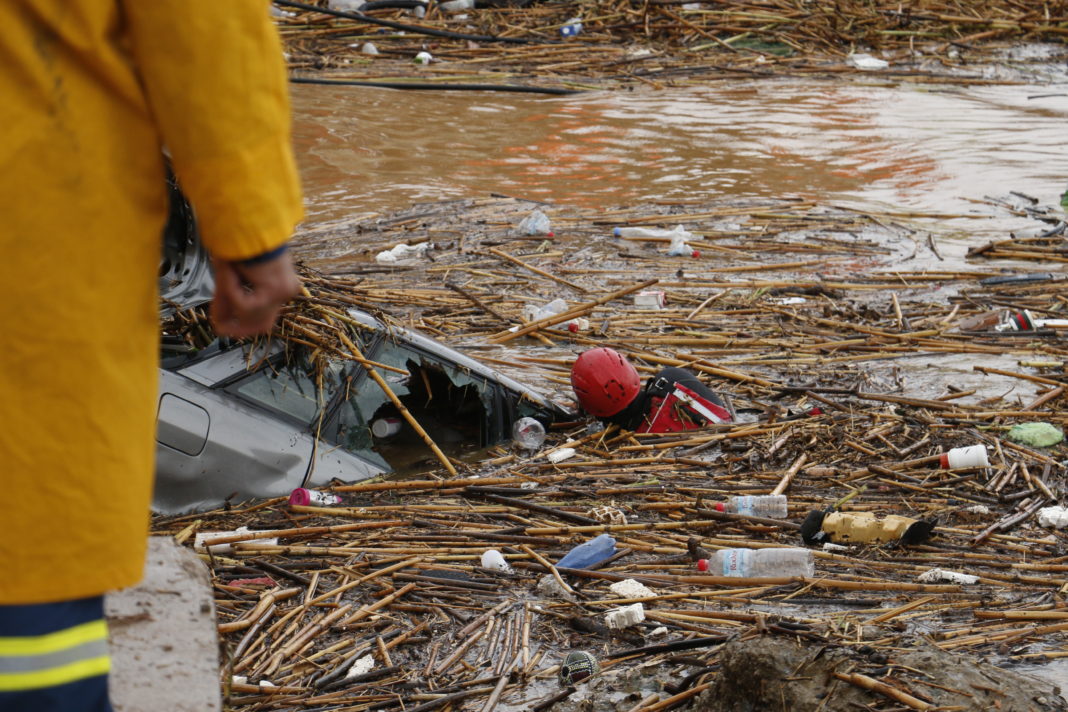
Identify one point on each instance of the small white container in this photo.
(385, 427)
(964, 457)
(650, 299)
(423, 58)
(494, 561)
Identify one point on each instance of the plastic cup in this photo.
(962, 457)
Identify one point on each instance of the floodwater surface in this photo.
(911, 147)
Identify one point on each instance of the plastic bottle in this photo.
(759, 563)
(653, 233)
(572, 27)
(589, 553)
(303, 497)
(533, 313)
(761, 505)
(423, 58)
(528, 434)
(537, 223)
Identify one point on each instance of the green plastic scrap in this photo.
(1036, 434)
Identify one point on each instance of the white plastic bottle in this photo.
(653, 233)
(759, 563)
(759, 505)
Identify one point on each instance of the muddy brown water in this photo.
(920, 147)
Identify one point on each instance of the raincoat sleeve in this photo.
(215, 79)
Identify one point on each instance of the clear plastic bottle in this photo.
(589, 553)
(534, 313)
(653, 233)
(528, 434)
(758, 505)
(759, 563)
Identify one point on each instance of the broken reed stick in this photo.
(873, 685)
(789, 476)
(548, 567)
(515, 260)
(267, 600)
(381, 603)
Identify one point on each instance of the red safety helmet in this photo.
(604, 382)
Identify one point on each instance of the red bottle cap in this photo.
(816, 411)
(702, 564)
(944, 461)
(572, 327)
(300, 497)
(720, 507)
(695, 254)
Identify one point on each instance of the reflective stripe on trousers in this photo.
(29, 662)
(54, 657)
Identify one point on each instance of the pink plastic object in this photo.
(302, 497)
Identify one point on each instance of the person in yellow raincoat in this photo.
(91, 93)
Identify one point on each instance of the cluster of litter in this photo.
(837, 504)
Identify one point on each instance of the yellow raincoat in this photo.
(90, 91)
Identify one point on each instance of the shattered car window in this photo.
(292, 389)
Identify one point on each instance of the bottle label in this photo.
(744, 504)
(736, 562)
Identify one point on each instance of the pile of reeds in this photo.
(659, 40)
(820, 370)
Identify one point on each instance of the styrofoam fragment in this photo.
(935, 575)
(831, 546)
(625, 616)
(1056, 517)
(239, 680)
(267, 683)
(560, 455)
(978, 509)
(662, 630)
(362, 666)
(629, 588)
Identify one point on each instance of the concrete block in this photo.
(163, 640)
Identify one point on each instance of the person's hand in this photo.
(249, 297)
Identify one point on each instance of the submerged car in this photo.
(237, 420)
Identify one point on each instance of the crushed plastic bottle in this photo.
(528, 434)
(759, 563)
(761, 505)
(423, 58)
(572, 27)
(589, 553)
(537, 223)
(863, 528)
